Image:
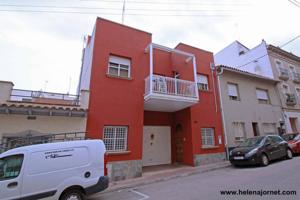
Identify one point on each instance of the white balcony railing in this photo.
(171, 86)
(283, 73)
(296, 77)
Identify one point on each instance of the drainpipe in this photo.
(212, 67)
(223, 119)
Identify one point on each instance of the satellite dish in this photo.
(219, 70)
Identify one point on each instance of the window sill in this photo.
(210, 147)
(117, 152)
(208, 91)
(119, 77)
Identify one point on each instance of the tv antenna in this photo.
(123, 11)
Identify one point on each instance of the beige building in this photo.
(27, 114)
(250, 105)
(286, 68)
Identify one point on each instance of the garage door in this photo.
(156, 145)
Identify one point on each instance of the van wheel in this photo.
(264, 160)
(72, 195)
(289, 154)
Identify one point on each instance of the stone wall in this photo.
(202, 159)
(121, 170)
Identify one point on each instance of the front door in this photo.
(10, 177)
(156, 145)
(293, 122)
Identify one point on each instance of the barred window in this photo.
(115, 138)
(208, 136)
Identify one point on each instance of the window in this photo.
(233, 92)
(269, 128)
(119, 66)
(208, 136)
(292, 68)
(10, 167)
(298, 93)
(202, 82)
(262, 96)
(115, 138)
(285, 88)
(239, 131)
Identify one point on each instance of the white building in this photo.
(272, 62)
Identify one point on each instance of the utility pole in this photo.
(123, 11)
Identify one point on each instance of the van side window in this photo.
(10, 166)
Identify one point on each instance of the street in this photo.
(280, 175)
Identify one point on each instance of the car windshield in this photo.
(250, 142)
(297, 137)
(289, 137)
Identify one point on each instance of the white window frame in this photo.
(208, 138)
(202, 84)
(259, 97)
(242, 126)
(114, 138)
(235, 97)
(120, 62)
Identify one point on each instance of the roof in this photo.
(283, 52)
(239, 71)
(41, 109)
(190, 46)
(116, 23)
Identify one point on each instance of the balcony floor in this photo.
(167, 103)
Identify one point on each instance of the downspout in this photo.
(223, 119)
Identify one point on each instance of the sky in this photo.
(41, 41)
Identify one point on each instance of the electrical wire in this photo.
(132, 14)
(103, 8)
(295, 2)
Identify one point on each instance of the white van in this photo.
(54, 171)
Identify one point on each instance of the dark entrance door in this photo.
(255, 129)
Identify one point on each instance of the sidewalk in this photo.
(164, 175)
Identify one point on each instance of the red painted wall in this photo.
(115, 101)
(207, 112)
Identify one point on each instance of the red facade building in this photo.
(150, 104)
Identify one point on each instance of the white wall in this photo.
(229, 56)
(85, 74)
(10, 124)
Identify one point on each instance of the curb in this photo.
(145, 182)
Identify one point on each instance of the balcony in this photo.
(290, 99)
(283, 73)
(168, 94)
(296, 77)
(28, 96)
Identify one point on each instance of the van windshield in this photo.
(10, 167)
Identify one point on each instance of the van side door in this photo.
(10, 176)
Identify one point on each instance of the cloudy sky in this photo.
(41, 41)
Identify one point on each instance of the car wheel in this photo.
(264, 160)
(72, 195)
(289, 154)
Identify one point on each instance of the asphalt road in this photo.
(281, 175)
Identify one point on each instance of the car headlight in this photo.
(252, 152)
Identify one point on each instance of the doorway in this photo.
(255, 128)
(293, 122)
(156, 145)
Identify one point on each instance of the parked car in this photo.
(293, 140)
(54, 171)
(260, 150)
